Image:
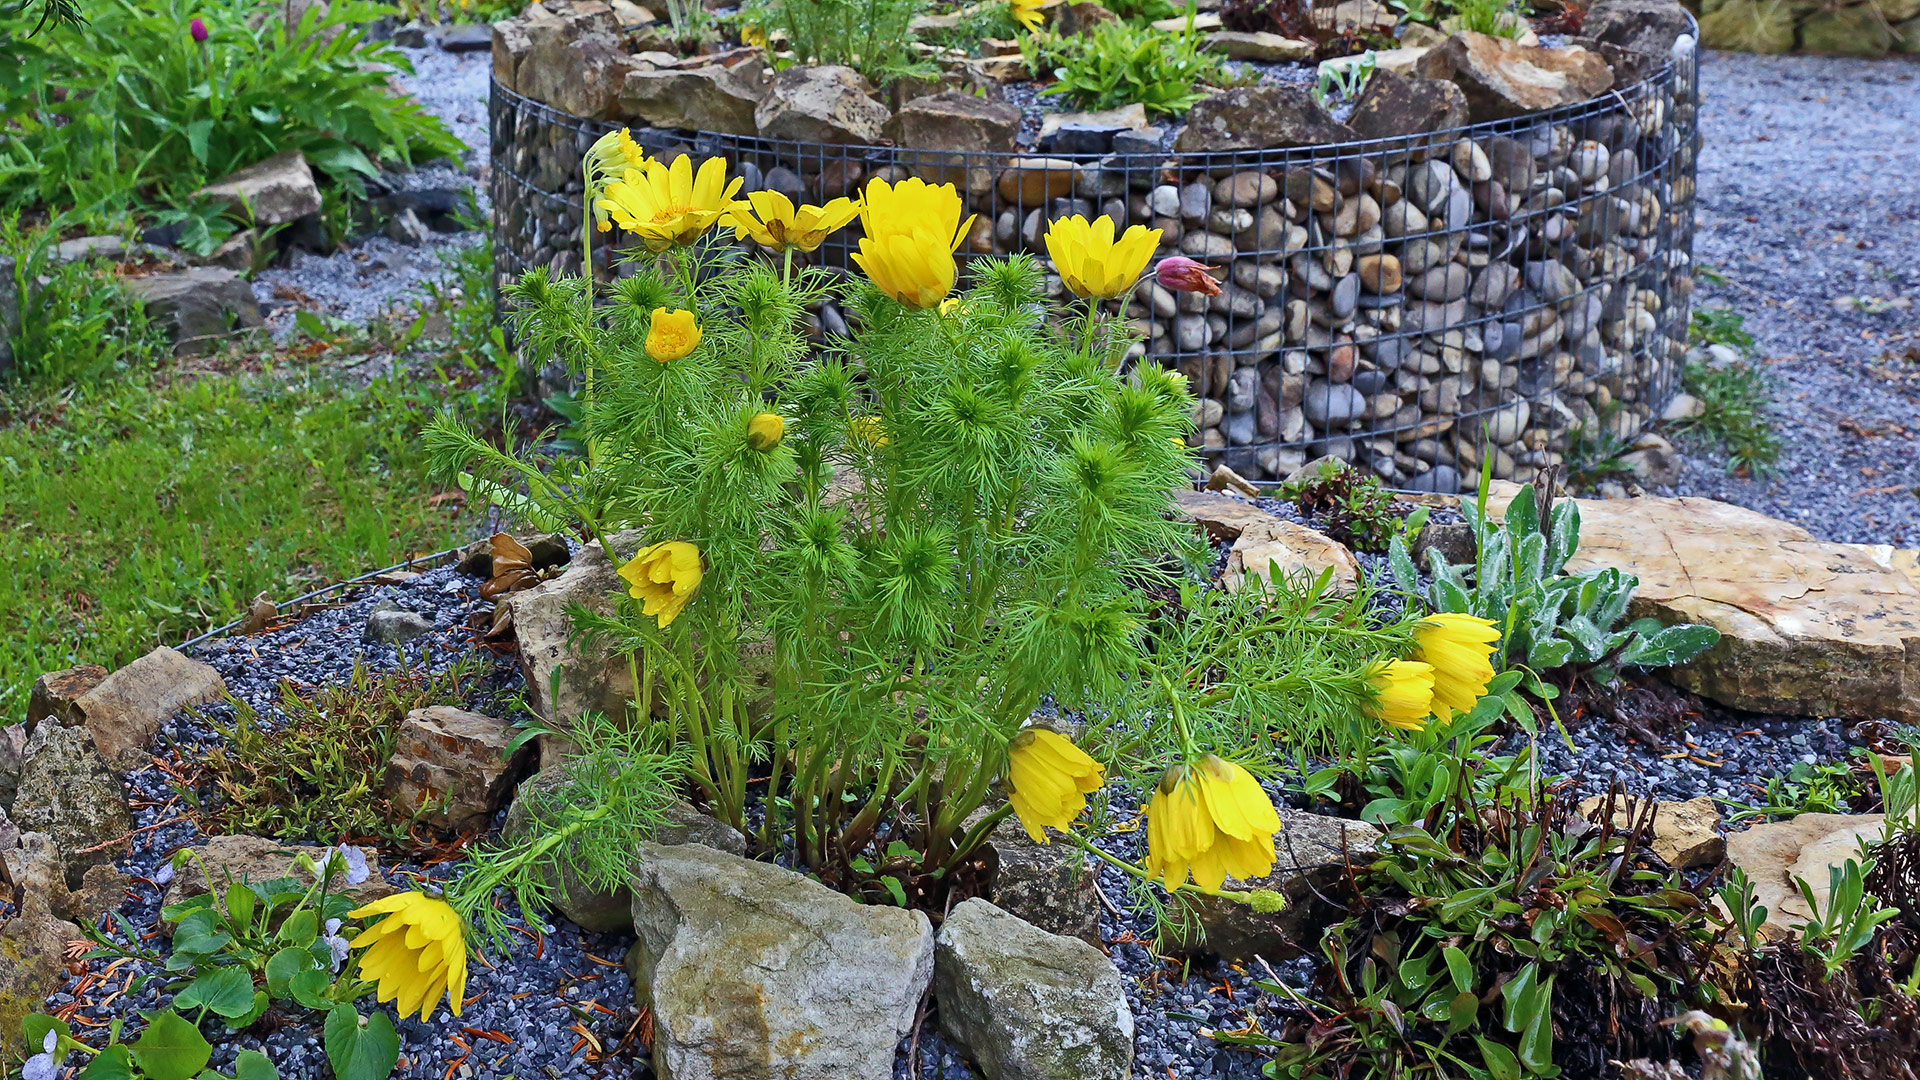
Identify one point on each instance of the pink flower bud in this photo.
(1181, 274)
(198, 28)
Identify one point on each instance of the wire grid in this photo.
(1545, 266)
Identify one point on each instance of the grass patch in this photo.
(317, 771)
(1736, 395)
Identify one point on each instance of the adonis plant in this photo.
(853, 574)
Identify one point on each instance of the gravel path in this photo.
(377, 273)
(1806, 195)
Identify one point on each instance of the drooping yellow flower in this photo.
(671, 334)
(1210, 819)
(771, 220)
(609, 158)
(868, 431)
(753, 36)
(765, 430)
(1091, 263)
(415, 954)
(1406, 693)
(1458, 647)
(663, 577)
(668, 204)
(1050, 779)
(1027, 12)
(912, 230)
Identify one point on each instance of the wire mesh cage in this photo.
(1511, 293)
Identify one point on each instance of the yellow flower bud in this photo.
(765, 431)
(672, 335)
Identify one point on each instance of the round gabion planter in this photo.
(1514, 290)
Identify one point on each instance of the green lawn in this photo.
(147, 503)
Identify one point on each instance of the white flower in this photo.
(44, 1065)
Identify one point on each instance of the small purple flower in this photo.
(44, 1065)
(337, 944)
(198, 28)
(348, 860)
(163, 876)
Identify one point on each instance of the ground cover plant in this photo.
(1736, 395)
(1119, 63)
(146, 101)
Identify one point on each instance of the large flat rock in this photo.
(1807, 847)
(1807, 627)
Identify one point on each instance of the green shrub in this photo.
(1119, 64)
(126, 109)
(871, 36)
(77, 325)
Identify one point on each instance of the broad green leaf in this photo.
(283, 966)
(170, 1048)
(227, 991)
(240, 900)
(254, 1065)
(360, 1050)
(894, 888)
(1459, 967)
(1464, 1009)
(113, 1063)
(1499, 1060)
(1536, 1040)
(300, 929)
(309, 988)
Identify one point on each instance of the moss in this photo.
(1755, 26)
(1854, 31)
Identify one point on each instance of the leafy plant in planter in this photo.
(1117, 64)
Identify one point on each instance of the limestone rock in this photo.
(601, 910)
(1502, 79)
(1648, 27)
(198, 306)
(1028, 1005)
(711, 98)
(1685, 834)
(575, 60)
(256, 859)
(1258, 118)
(541, 625)
(68, 792)
(824, 104)
(13, 758)
(511, 43)
(102, 889)
(754, 972)
(277, 191)
(1393, 106)
(1224, 516)
(123, 713)
(33, 942)
(1807, 627)
(1050, 885)
(957, 121)
(1311, 852)
(1259, 46)
(1773, 853)
(455, 763)
(1302, 554)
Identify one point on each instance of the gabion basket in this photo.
(1512, 292)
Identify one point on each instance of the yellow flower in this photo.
(1050, 779)
(1458, 647)
(1091, 263)
(663, 577)
(765, 430)
(753, 36)
(1209, 819)
(868, 431)
(912, 230)
(415, 954)
(667, 204)
(1406, 693)
(609, 157)
(671, 334)
(1027, 12)
(770, 219)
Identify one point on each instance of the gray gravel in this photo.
(376, 274)
(1807, 194)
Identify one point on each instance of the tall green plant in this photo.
(874, 37)
(128, 108)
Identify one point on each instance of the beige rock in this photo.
(223, 860)
(1503, 79)
(1259, 46)
(453, 764)
(511, 43)
(541, 626)
(1224, 516)
(127, 708)
(578, 71)
(955, 120)
(33, 941)
(1208, 20)
(1685, 834)
(1808, 628)
(1030, 182)
(1299, 552)
(276, 191)
(1310, 855)
(1132, 117)
(826, 104)
(711, 98)
(1225, 479)
(1774, 853)
(54, 693)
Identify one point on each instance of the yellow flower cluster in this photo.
(1450, 675)
(1209, 819)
